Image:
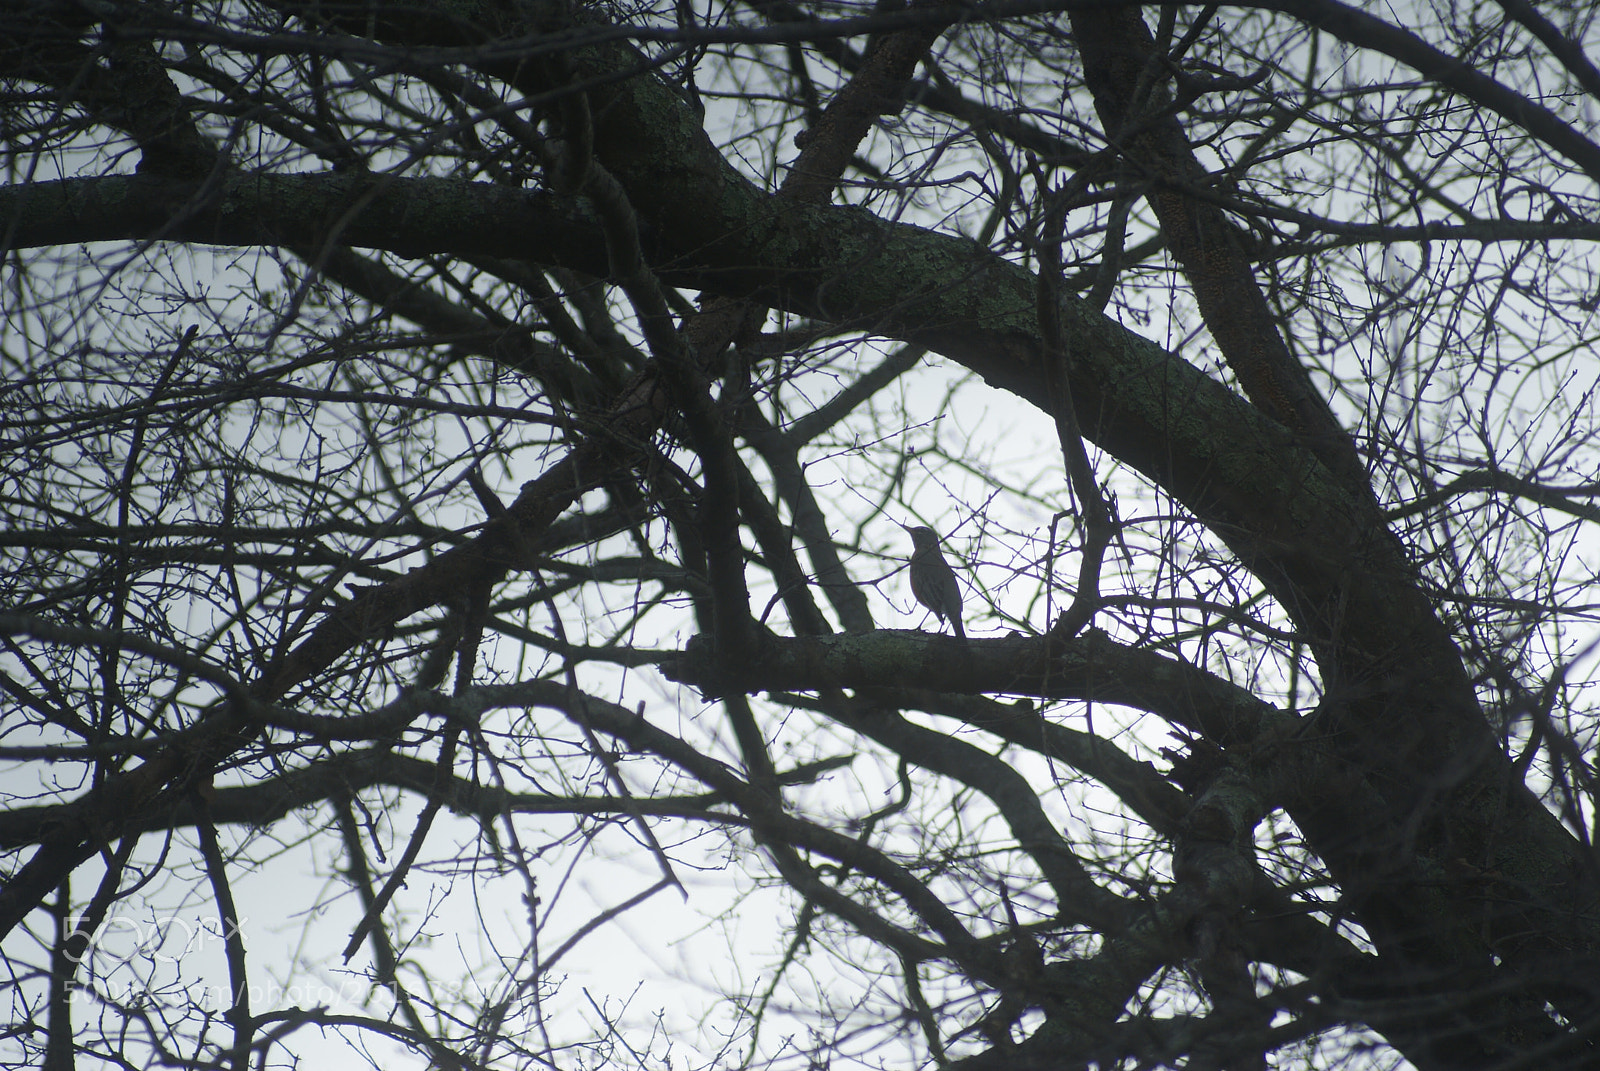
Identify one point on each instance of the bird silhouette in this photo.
(933, 582)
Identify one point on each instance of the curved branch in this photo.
(1090, 667)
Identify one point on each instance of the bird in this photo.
(933, 582)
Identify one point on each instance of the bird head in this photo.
(921, 536)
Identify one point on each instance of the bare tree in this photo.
(452, 453)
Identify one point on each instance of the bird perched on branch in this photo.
(933, 582)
